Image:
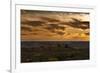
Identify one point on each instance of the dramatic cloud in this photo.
(76, 23)
(87, 33)
(23, 34)
(80, 24)
(54, 28)
(34, 33)
(33, 23)
(60, 32)
(24, 28)
(51, 25)
(49, 19)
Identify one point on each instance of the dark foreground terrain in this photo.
(43, 51)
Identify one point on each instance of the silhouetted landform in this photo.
(44, 51)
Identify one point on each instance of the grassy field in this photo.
(44, 51)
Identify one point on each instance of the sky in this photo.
(54, 26)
